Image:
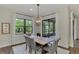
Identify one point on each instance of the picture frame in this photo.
(5, 28)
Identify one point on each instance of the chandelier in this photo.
(38, 19)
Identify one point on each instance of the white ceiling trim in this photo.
(21, 16)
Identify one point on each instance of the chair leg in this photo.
(35, 52)
(30, 50)
(26, 46)
(56, 51)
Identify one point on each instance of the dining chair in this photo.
(27, 41)
(32, 45)
(52, 48)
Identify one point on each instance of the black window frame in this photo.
(24, 27)
(54, 29)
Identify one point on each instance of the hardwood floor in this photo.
(75, 50)
(76, 43)
(9, 50)
(6, 50)
(20, 49)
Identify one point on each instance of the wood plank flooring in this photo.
(6, 50)
(20, 49)
(76, 43)
(9, 50)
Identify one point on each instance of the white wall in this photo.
(71, 28)
(77, 28)
(9, 16)
(6, 16)
(62, 26)
(19, 38)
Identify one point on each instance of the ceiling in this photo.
(44, 9)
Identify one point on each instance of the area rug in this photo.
(20, 49)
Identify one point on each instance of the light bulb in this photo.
(38, 20)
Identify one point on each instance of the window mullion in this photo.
(24, 26)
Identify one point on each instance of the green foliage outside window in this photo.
(19, 22)
(20, 26)
(48, 26)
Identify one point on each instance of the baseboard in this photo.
(64, 48)
(77, 38)
(18, 44)
(12, 45)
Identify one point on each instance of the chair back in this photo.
(54, 46)
(32, 43)
(27, 40)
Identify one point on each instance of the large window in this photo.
(19, 26)
(23, 26)
(28, 26)
(48, 27)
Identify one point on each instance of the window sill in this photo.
(19, 34)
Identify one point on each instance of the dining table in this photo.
(42, 41)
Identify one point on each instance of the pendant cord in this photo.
(38, 10)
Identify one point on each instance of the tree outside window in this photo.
(23, 26)
(28, 26)
(19, 26)
(48, 27)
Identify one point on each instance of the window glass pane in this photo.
(28, 26)
(48, 27)
(23, 26)
(28, 29)
(19, 22)
(45, 22)
(51, 27)
(19, 26)
(28, 23)
(45, 27)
